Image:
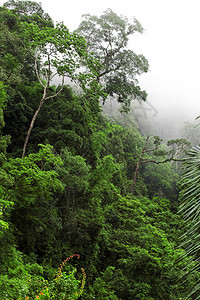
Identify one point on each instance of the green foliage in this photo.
(74, 172)
(161, 180)
(141, 252)
(102, 287)
(4, 203)
(15, 276)
(63, 58)
(30, 177)
(74, 196)
(29, 11)
(189, 210)
(15, 61)
(26, 281)
(64, 285)
(68, 121)
(3, 97)
(61, 54)
(107, 38)
(104, 174)
(30, 183)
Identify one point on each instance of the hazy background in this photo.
(170, 43)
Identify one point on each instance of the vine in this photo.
(63, 286)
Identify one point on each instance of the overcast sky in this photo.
(170, 43)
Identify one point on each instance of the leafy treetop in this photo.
(29, 11)
(107, 37)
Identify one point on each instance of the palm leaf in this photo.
(190, 212)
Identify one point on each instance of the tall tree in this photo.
(107, 37)
(159, 155)
(57, 53)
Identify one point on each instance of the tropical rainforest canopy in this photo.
(88, 205)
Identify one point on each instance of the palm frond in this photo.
(190, 212)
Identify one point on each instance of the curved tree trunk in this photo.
(32, 123)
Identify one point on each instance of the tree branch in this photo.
(37, 73)
(163, 161)
(153, 149)
(62, 84)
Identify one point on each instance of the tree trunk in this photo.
(32, 122)
(138, 165)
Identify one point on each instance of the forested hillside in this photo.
(88, 205)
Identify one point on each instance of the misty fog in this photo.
(151, 118)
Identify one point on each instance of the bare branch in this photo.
(109, 70)
(54, 75)
(147, 160)
(33, 121)
(62, 84)
(37, 73)
(163, 161)
(49, 69)
(153, 149)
